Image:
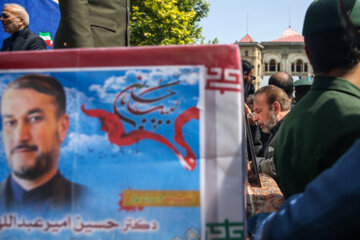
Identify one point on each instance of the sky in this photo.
(263, 20)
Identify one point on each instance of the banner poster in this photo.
(150, 144)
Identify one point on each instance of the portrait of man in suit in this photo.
(34, 124)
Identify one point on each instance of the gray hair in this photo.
(275, 94)
(20, 10)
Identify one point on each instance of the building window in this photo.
(299, 65)
(266, 67)
(305, 67)
(246, 53)
(258, 70)
(272, 65)
(292, 67)
(278, 67)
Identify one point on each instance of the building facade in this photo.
(252, 52)
(286, 54)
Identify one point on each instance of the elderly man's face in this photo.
(264, 114)
(12, 23)
(32, 132)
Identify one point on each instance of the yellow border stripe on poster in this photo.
(146, 198)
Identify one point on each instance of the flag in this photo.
(47, 38)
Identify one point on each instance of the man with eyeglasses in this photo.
(248, 75)
(15, 21)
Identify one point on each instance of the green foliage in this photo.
(214, 41)
(166, 22)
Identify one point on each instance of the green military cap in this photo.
(302, 82)
(322, 16)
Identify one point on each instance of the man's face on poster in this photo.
(32, 132)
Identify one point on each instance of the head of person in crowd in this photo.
(302, 87)
(271, 104)
(248, 71)
(34, 126)
(14, 18)
(250, 102)
(284, 81)
(329, 48)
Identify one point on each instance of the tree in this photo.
(166, 22)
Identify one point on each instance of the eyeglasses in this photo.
(7, 16)
(4, 16)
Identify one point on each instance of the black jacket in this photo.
(59, 194)
(23, 40)
(265, 163)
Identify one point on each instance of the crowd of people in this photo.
(314, 154)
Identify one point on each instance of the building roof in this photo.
(247, 38)
(290, 36)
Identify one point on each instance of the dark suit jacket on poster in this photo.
(23, 40)
(58, 195)
(92, 23)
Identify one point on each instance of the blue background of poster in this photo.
(88, 158)
(44, 16)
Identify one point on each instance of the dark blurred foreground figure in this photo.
(325, 123)
(302, 87)
(15, 21)
(328, 208)
(92, 23)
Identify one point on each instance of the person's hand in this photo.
(249, 115)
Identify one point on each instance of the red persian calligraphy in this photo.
(112, 124)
